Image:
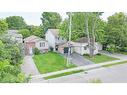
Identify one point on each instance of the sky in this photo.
(33, 18)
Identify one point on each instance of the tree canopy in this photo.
(15, 22)
(11, 56)
(78, 25)
(50, 20)
(117, 30)
(3, 26)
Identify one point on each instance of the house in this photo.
(54, 39)
(80, 46)
(35, 42)
(14, 36)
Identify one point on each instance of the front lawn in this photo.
(51, 62)
(100, 58)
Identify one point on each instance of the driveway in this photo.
(114, 74)
(79, 60)
(116, 55)
(29, 67)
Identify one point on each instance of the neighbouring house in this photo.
(14, 36)
(81, 46)
(35, 42)
(54, 39)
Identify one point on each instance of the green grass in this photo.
(125, 53)
(118, 63)
(51, 62)
(100, 58)
(63, 74)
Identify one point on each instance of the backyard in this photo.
(100, 58)
(51, 62)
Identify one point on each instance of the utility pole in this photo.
(69, 41)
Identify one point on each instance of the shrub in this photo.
(111, 48)
(86, 55)
(124, 49)
(99, 54)
(51, 48)
(36, 51)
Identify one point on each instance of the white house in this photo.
(54, 39)
(81, 46)
(35, 42)
(14, 35)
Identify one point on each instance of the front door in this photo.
(30, 50)
(56, 47)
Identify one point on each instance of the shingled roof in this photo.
(83, 40)
(55, 32)
(33, 39)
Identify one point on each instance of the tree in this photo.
(3, 26)
(25, 32)
(10, 59)
(50, 20)
(78, 25)
(15, 22)
(10, 73)
(36, 30)
(117, 30)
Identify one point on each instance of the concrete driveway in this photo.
(29, 67)
(114, 74)
(116, 55)
(79, 60)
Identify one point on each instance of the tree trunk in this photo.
(87, 31)
(94, 20)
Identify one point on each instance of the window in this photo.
(85, 48)
(42, 44)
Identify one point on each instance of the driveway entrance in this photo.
(80, 60)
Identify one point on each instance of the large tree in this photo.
(79, 27)
(10, 59)
(50, 20)
(3, 26)
(117, 30)
(15, 22)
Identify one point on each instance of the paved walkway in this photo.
(29, 67)
(114, 74)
